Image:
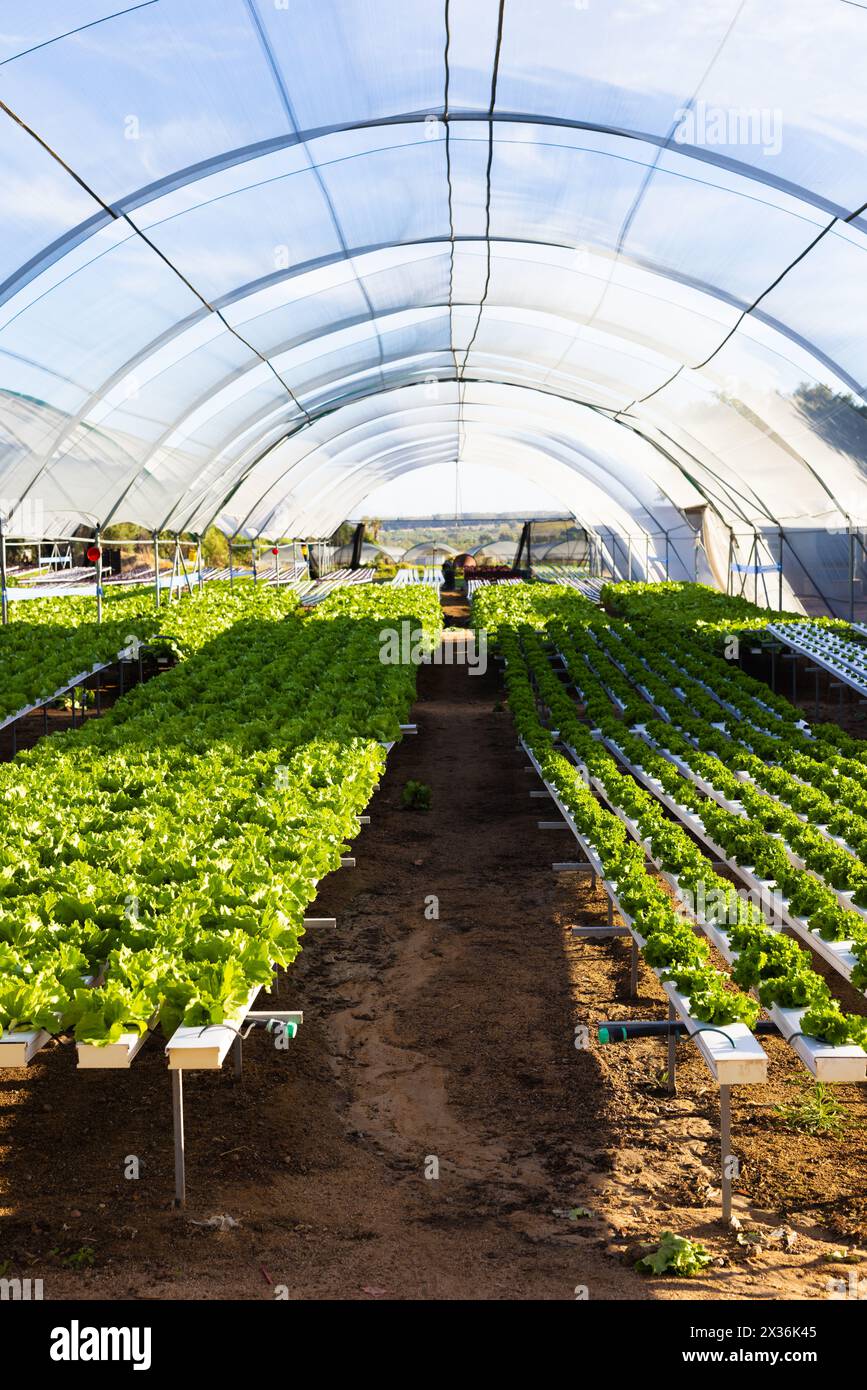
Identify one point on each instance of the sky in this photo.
(432, 489)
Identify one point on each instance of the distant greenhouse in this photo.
(371, 553)
(428, 553)
(495, 553)
(573, 551)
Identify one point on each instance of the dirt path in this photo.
(438, 1037)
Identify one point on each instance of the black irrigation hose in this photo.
(614, 1031)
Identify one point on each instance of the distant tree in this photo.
(124, 531)
(215, 548)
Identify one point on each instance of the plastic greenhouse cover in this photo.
(258, 259)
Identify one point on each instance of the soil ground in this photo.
(813, 690)
(431, 1043)
(92, 697)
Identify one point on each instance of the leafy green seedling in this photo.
(821, 1113)
(416, 796)
(81, 1259)
(675, 1255)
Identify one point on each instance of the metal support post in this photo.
(156, 567)
(183, 570)
(176, 570)
(633, 970)
(672, 1052)
(725, 1134)
(4, 597)
(238, 1058)
(729, 565)
(178, 1126)
(98, 579)
(231, 571)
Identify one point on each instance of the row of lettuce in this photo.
(158, 863)
(52, 641)
(608, 659)
(798, 790)
(708, 613)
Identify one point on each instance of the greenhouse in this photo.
(494, 899)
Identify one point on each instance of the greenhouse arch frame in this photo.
(253, 313)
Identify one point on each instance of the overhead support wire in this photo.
(450, 192)
(80, 29)
(4, 597)
(160, 254)
(733, 496)
(407, 386)
(750, 308)
(125, 217)
(632, 210)
(393, 390)
(487, 238)
(495, 72)
(317, 262)
(305, 416)
(289, 110)
(229, 159)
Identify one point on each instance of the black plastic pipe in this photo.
(614, 1031)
